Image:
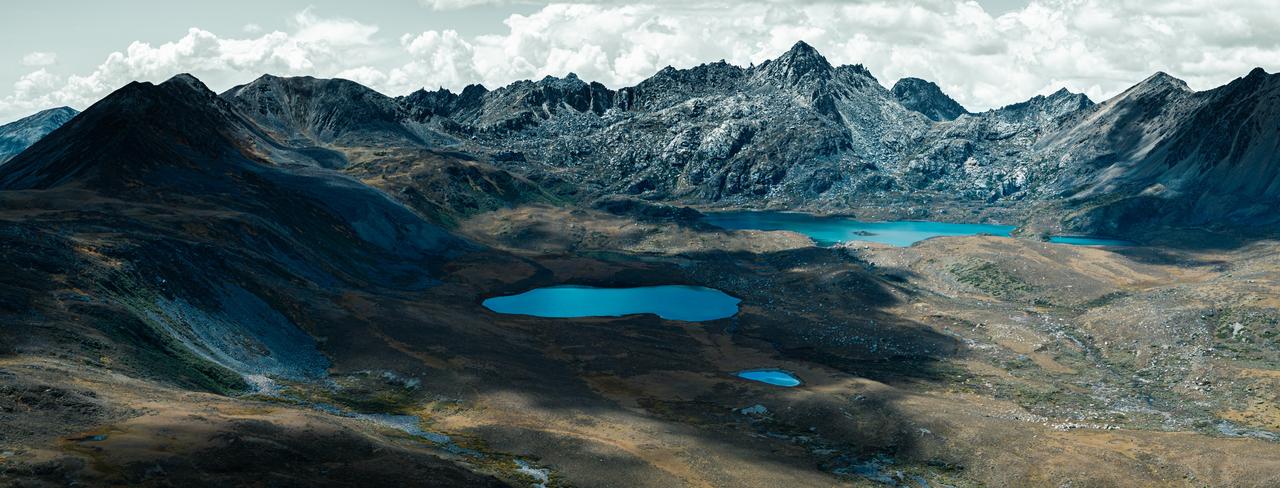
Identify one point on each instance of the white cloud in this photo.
(459, 4)
(39, 59)
(1099, 47)
(363, 75)
(437, 59)
(251, 28)
(315, 46)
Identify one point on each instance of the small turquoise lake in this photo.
(672, 302)
(775, 377)
(1088, 241)
(828, 231)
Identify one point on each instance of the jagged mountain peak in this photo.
(1256, 79)
(927, 98)
(803, 51)
(1065, 94)
(799, 64)
(1165, 79)
(1043, 109)
(1160, 85)
(568, 82)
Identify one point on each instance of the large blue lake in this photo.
(827, 231)
(1088, 241)
(672, 302)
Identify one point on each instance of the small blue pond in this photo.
(672, 302)
(1088, 241)
(774, 377)
(827, 231)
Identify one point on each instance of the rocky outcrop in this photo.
(925, 97)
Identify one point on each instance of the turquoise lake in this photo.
(775, 377)
(1088, 241)
(827, 231)
(672, 302)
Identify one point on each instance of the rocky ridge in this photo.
(18, 135)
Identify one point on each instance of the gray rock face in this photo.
(925, 97)
(18, 135)
(1160, 151)
(798, 132)
(792, 130)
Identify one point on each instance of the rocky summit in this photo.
(925, 97)
(784, 274)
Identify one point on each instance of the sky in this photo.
(984, 53)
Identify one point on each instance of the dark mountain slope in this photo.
(219, 242)
(166, 241)
(178, 140)
(1162, 153)
(20, 134)
(342, 124)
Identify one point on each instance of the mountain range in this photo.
(797, 132)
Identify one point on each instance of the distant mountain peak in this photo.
(63, 110)
(1042, 109)
(800, 63)
(803, 55)
(803, 49)
(321, 111)
(1064, 93)
(1068, 99)
(20, 134)
(1163, 81)
(186, 80)
(927, 98)
(473, 90)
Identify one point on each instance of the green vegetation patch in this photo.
(990, 279)
(154, 353)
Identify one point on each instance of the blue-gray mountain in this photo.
(18, 135)
(797, 132)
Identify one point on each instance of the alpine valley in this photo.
(289, 284)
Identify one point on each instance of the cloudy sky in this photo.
(984, 53)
